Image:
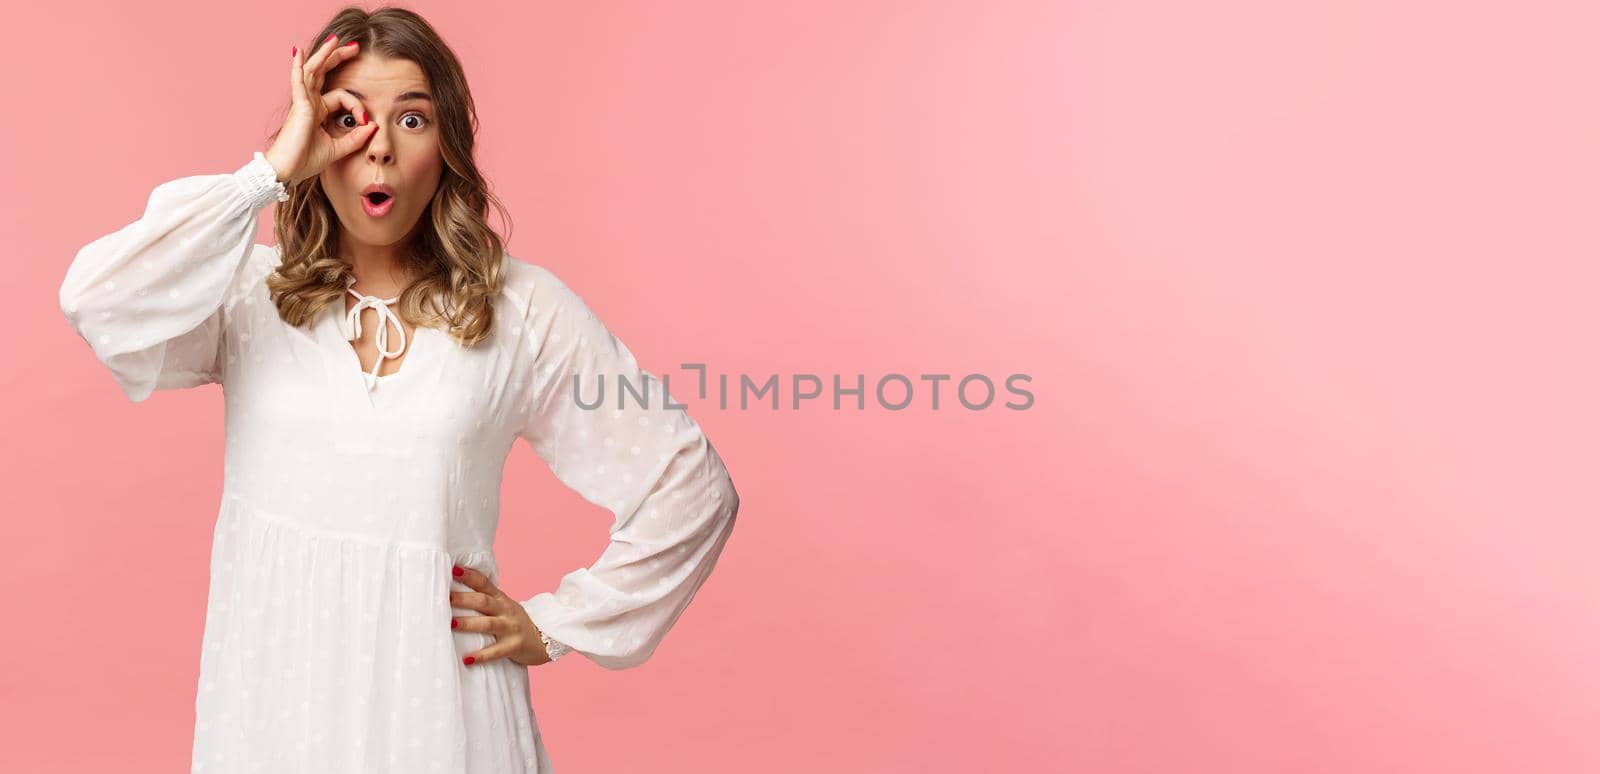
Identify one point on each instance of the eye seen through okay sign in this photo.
(515, 635)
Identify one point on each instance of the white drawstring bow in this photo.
(386, 316)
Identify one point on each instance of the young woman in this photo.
(378, 364)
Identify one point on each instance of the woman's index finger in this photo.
(473, 578)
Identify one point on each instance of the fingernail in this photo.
(454, 570)
(331, 36)
(468, 660)
(452, 623)
(293, 50)
(351, 43)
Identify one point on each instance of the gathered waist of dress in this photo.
(236, 506)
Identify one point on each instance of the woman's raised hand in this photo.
(304, 146)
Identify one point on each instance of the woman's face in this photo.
(403, 152)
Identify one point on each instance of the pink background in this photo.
(1306, 291)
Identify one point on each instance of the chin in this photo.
(382, 238)
(389, 232)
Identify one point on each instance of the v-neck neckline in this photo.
(330, 325)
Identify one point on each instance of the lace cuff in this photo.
(554, 649)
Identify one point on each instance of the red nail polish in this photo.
(455, 570)
(293, 50)
(351, 43)
(331, 36)
(468, 659)
(452, 623)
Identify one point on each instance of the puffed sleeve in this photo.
(149, 297)
(650, 465)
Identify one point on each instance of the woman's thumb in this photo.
(355, 138)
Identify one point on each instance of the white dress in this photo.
(347, 499)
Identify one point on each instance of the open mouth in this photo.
(377, 204)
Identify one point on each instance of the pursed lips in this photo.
(377, 193)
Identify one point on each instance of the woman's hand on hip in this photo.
(515, 635)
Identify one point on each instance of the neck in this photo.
(379, 269)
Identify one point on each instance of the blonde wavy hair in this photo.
(457, 262)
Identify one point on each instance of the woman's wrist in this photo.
(257, 182)
(277, 167)
(552, 649)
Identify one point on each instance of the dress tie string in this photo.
(386, 316)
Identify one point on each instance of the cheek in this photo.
(334, 182)
(427, 174)
(424, 161)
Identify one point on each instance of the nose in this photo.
(378, 148)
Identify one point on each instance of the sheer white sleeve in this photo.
(650, 465)
(149, 297)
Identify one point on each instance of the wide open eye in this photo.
(338, 120)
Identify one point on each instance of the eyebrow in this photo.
(406, 97)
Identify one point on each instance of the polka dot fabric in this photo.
(327, 642)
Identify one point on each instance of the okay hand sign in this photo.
(304, 146)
